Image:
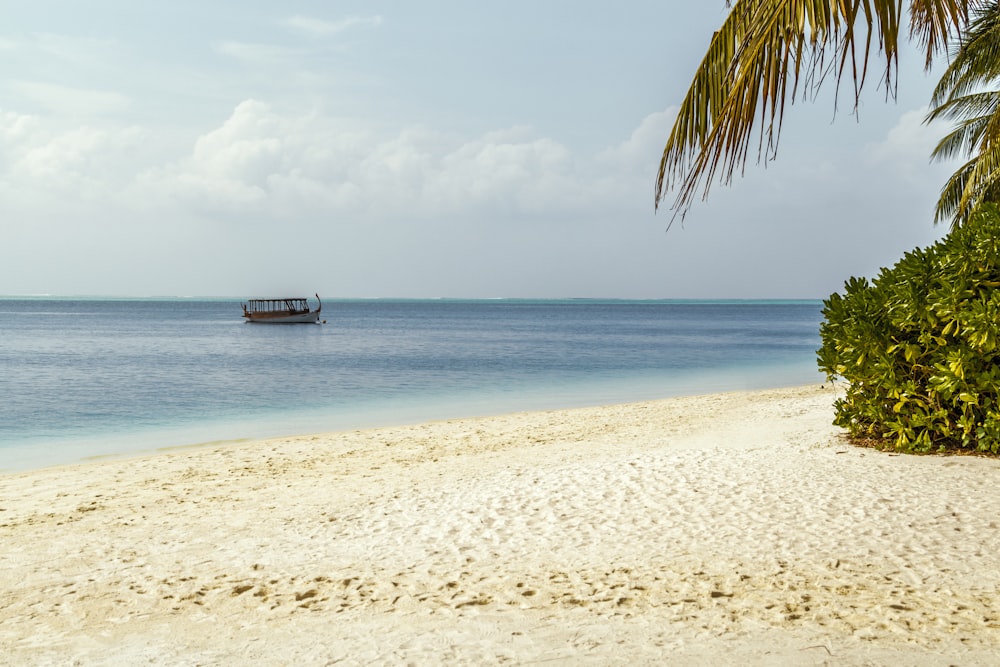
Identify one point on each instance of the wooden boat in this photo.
(281, 311)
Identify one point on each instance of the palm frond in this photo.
(933, 23)
(950, 199)
(765, 54)
(967, 106)
(960, 97)
(964, 140)
(973, 184)
(976, 60)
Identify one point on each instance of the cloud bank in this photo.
(266, 164)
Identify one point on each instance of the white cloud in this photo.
(286, 164)
(631, 164)
(15, 127)
(508, 170)
(44, 169)
(646, 143)
(263, 164)
(909, 140)
(902, 159)
(321, 28)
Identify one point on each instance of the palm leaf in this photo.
(964, 140)
(981, 180)
(976, 61)
(959, 97)
(755, 65)
(967, 106)
(949, 202)
(932, 23)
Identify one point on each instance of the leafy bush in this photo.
(920, 346)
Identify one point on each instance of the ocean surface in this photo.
(83, 378)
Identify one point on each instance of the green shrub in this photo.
(919, 346)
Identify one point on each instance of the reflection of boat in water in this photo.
(281, 311)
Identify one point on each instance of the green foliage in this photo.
(920, 345)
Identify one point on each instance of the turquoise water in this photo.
(93, 377)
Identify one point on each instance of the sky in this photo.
(420, 150)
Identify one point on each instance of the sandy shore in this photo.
(725, 529)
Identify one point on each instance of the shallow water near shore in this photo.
(96, 377)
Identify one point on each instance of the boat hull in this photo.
(281, 318)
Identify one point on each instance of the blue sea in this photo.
(83, 378)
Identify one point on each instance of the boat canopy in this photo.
(295, 305)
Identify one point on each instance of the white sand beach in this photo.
(726, 529)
